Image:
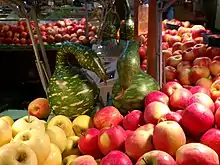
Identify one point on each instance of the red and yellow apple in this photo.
(200, 89)
(183, 75)
(169, 87)
(202, 61)
(214, 67)
(199, 50)
(177, 46)
(215, 90)
(198, 72)
(189, 55)
(174, 60)
(187, 45)
(116, 158)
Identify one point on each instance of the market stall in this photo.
(123, 92)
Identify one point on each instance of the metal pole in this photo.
(87, 18)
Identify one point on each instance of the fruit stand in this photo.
(102, 109)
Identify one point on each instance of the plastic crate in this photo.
(211, 40)
(172, 26)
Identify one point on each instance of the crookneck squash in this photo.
(133, 85)
(70, 91)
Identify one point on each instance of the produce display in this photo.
(52, 32)
(188, 59)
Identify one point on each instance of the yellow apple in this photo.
(8, 119)
(57, 137)
(16, 153)
(37, 140)
(81, 124)
(5, 132)
(69, 159)
(27, 123)
(71, 147)
(62, 122)
(54, 157)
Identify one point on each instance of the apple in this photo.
(40, 108)
(170, 73)
(173, 39)
(24, 35)
(107, 117)
(179, 98)
(138, 143)
(83, 40)
(27, 122)
(142, 52)
(200, 89)
(159, 157)
(217, 58)
(80, 32)
(199, 50)
(71, 147)
(169, 87)
(88, 144)
(197, 31)
(214, 67)
(182, 30)
(215, 93)
(198, 72)
(69, 159)
(189, 54)
(154, 111)
(174, 60)
(187, 45)
(187, 37)
(202, 61)
(217, 103)
(156, 96)
(116, 158)
(172, 116)
(111, 139)
(23, 41)
(217, 117)
(16, 41)
(199, 40)
(197, 119)
(57, 136)
(9, 34)
(212, 139)
(184, 76)
(84, 160)
(8, 119)
(203, 99)
(17, 153)
(68, 22)
(165, 53)
(204, 82)
(63, 122)
(5, 131)
(196, 154)
(145, 127)
(212, 52)
(16, 35)
(177, 52)
(165, 45)
(58, 38)
(60, 23)
(133, 120)
(54, 157)
(20, 28)
(37, 140)
(184, 64)
(5, 28)
(168, 136)
(177, 46)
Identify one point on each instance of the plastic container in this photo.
(172, 26)
(212, 39)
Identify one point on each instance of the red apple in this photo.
(116, 158)
(173, 39)
(107, 117)
(156, 156)
(170, 73)
(217, 103)
(199, 50)
(184, 64)
(198, 72)
(88, 143)
(179, 98)
(60, 24)
(62, 31)
(202, 61)
(216, 58)
(156, 96)
(177, 52)
(133, 120)
(58, 38)
(14, 28)
(40, 108)
(24, 35)
(183, 76)
(174, 60)
(111, 139)
(82, 21)
(21, 28)
(80, 32)
(214, 67)
(212, 52)
(171, 116)
(204, 82)
(189, 55)
(177, 46)
(217, 117)
(165, 53)
(67, 21)
(196, 154)
(186, 37)
(66, 37)
(203, 99)
(142, 52)
(16, 40)
(50, 39)
(16, 35)
(215, 90)
(138, 143)
(200, 89)
(145, 127)
(23, 41)
(197, 119)
(169, 87)
(165, 45)
(6, 28)
(9, 34)
(197, 31)
(183, 30)
(154, 111)
(187, 45)
(212, 139)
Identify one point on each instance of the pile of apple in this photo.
(52, 32)
(188, 60)
(178, 126)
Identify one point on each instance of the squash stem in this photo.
(120, 95)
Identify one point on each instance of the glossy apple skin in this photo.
(107, 117)
(170, 73)
(202, 61)
(111, 139)
(174, 60)
(177, 46)
(187, 45)
(214, 67)
(173, 39)
(212, 139)
(156, 96)
(217, 103)
(204, 82)
(85, 160)
(172, 116)
(203, 99)
(212, 52)
(133, 120)
(168, 136)
(199, 50)
(169, 87)
(88, 144)
(197, 119)
(198, 72)
(196, 154)
(177, 52)
(184, 64)
(184, 76)
(215, 93)
(146, 127)
(154, 111)
(217, 118)
(200, 89)
(179, 98)
(116, 158)
(156, 156)
(189, 55)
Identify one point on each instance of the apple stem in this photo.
(145, 161)
(29, 117)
